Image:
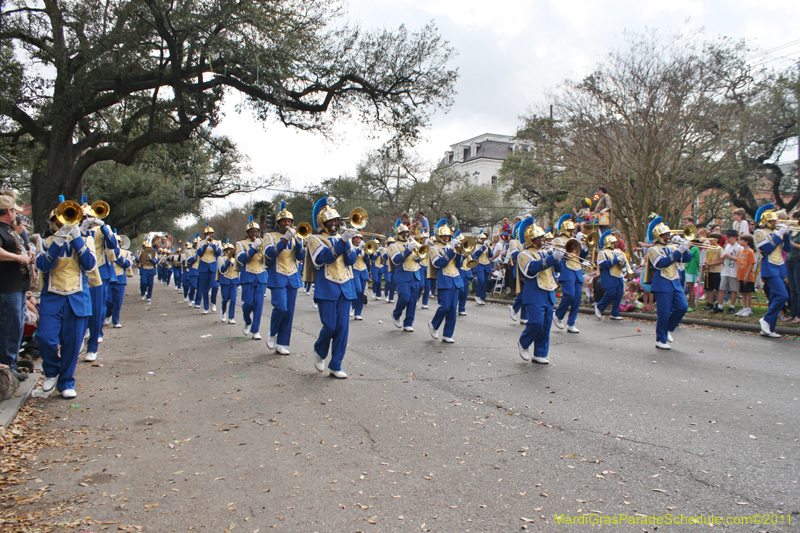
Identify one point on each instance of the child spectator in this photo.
(583, 217)
(739, 223)
(630, 297)
(746, 273)
(713, 269)
(692, 275)
(728, 279)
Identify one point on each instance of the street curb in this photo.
(9, 408)
(735, 326)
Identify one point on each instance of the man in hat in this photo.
(483, 270)
(253, 279)
(208, 252)
(407, 277)
(14, 282)
(610, 261)
(284, 251)
(666, 285)
(445, 263)
(360, 276)
(228, 282)
(331, 256)
(771, 242)
(116, 288)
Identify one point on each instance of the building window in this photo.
(494, 181)
(466, 153)
(450, 158)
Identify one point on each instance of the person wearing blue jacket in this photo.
(253, 278)
(228, 282)
(360, 276)
(771, 244)
(665, 280)
(207, 254)
(445, 263)
(66, 304)
(388, 272)
(538, 292)
(331, 257)
(284, 251)
(407, 277)
(516, 310)
(193, 263)
(610, 261)
(570, 276)
(116, 289)
(378, 265)
(466, 277)
(483, 270)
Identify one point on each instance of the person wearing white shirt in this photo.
(739, 222)
(728, 280)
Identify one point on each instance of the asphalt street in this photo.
(184, 424)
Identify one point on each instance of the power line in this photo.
(771, 50)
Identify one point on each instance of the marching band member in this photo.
(334, 290)
(377, 271)
(538, 292)
(147, 270)
(407, 277)
(123, 260)
(193, 262)
(360, 276)
(771, 244)
(483, 270)
(610, 261)
(570, 277)
(252, 279)
(285, 251)
(664, 279)
(425, 264)
(186, 253)
(228, 281)
(445, 263)
(175, 266)
(466, 276)
(207, 252)
(104, 241)
(388, 272)
(66, 304)
(515, 246)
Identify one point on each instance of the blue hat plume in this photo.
(650, 227)
(563, 219)
(762, 209)
(522, 226)
(603, 238)
(322, 202)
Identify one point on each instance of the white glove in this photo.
(97, 222)
(413, 245)
(348, 234)
(85, 225)
(257, 243)
(782, 230)
(381, 250)
(676, 239)
(150, 257)
(63, 231)
(683, 248)
(579, 235)
(451, 245)
(361, 244)
(74, 232)
(558, 255)
(60, 238)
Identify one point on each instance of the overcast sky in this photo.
(509, 53)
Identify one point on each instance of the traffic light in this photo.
(271, 222)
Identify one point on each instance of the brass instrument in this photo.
(793, 224)
(100, 209)
(371, 247)
(591, 239)
(689, 232)
(422, 251)
(230, 252)
(472, 263)
(151, 252)
(69, 213)
(358, 218)
(465, 245)
(630, 272)
(304, 230)
(572, 250)
(124, 242)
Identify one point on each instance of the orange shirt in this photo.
(743, 262)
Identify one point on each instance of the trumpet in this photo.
(465, 245)
(422, 251)
(304, 230)
(69, 213)
(358, 218)
(591, 239)
(100, 209)
(371, 247)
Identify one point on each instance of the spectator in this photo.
(406, 220)
(746, 274)
(729, 281)
(716, 228)
(793, 266)
(14, 283)
(630, 297)
(424, 225)
(506, 226)
(602, 212)
(692, 275)
(452, 221)
(739, 223)
(713, 269)
(751, 226)
(497, 251)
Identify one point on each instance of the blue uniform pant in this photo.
(176, 274)
(390, 285)
(570, 301)
(185, 284)
(192, 286)
(537, 330)
(229, 296)
(447, 311)
(146, 278)
(377, 278)
(253, 304)
(462, 295)
(205, 283)
(283, 301)
(167, 275)
(777, 299)
(425, 286)
(64, 330)
(407, 293)
(480, 282)
(671, 306)
(613, 296)
(358, 303)
(116, 295)
(523, 315)
(98, 316)
(335, 318)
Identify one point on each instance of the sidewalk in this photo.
(9, 408)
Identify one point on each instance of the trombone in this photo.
(591, 239)
(689, 232)
(571, 251)
(68, 213)
(100, 209)
(371, 247)
(358, 219)
(792, 224)
(465, 245)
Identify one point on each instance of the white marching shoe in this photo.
(256, 336)
(214, 307)
(358, 317)
(663, 345)
(107, 321)
(448, 340)
(598, 313)
(69, 394)
(408, 329)
(231, 321)
(340, 374)
(205, 311)
(246, 330)
(352, 312)
(271, 342)
(282, 350)
(766, 331)
(558, 322)
(397, 323)
(224, 318)
(541, 360)
(90, 357)
(49, 384)
(572, 329)
(433, 331)
(511, 312)
(319, 362)
(524, 352)
(669, 337)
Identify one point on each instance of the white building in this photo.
(481, 157)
